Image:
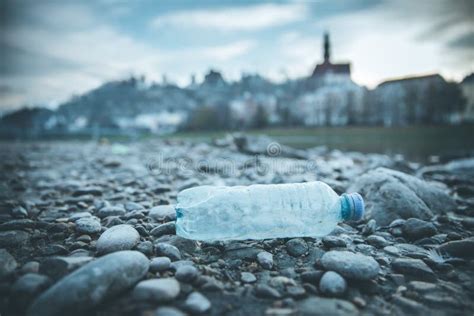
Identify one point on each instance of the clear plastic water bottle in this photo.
(262, 211)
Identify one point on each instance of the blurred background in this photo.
(383, 76)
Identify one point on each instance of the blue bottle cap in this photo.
(353, 206)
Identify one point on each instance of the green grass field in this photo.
(415, 143)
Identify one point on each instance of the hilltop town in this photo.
(327, 97)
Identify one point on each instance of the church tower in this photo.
(327, 49)
(327, 67)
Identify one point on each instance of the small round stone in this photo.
(351, 265)
(160, 264)
(8, 264)
(30, 267)
(186, 273)
(156, 290)
(88, 225)
(168, 311)
(116, 238)
(265, 259)
(296, 247)
(247, 277)
(170, 251)
(332, 284)
(196, 303)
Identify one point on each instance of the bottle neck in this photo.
(346, 209)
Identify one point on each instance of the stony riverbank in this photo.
(88, 228)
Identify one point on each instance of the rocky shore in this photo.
(88, 229)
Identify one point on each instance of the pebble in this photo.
(167, 250)
(312, 277)
(156, 290)
(28, 287)
(13, 238)
(84, 238)
(58, 267)
(392, 250)
(196, 303)
(30, 267)
(296, 247)
(132, 206)
(7, 264)
(265, 259)
(110, 211)
(186, 273)
(88, 225)
(332, 284)
(168, 311)
(463, 248)
(91, 284)
(164, 229)
(145, 247)
(160, 264)
(408, 306)
(351, 265)
(247, 277)
(116, 238)
(265, 291)
(326, 306)
(19, 212)
(92, 190)
(416, 269)
(333, 242)
(377, 241)
(74, 217)
(370, 228)
(162, 213)
(415, 229)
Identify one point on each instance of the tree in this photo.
(261, 117)
(441, 101)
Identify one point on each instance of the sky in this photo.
(54, 49)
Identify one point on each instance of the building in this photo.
(332, 98)
(467, 87)
(327, 72)
(407, 100)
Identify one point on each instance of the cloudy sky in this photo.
(51, 50)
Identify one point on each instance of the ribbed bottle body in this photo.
(257, 211)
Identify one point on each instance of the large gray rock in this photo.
(351, 265)
(116, 238)
(390, 194)
(91, 284)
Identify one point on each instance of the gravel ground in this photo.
(88, 229)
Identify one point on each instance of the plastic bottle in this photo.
(262, 211)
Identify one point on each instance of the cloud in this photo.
(234, 19)
(463, 41)
(229, 51)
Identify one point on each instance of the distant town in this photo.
(328, 97)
